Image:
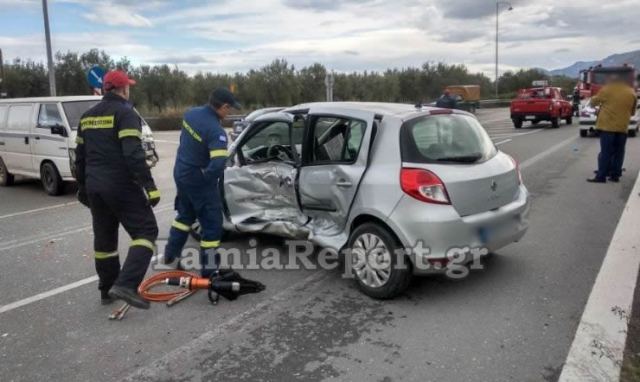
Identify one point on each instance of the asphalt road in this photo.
(512, 321)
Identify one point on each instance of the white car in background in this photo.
(37, 139)
(589, 115)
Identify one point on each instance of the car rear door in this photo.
(334, 160)
(17, 138)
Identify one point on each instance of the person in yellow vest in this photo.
(617, 101)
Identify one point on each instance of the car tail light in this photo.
(423, 185)
(515, 163)
(551, 107)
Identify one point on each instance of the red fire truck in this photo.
(593, 79)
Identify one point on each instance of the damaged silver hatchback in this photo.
(376, 179)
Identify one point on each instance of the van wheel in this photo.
(6, 178)
(51, 180)
(555, 122)
(379, 272)
(584, 133)
(632, 133)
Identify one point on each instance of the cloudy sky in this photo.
(346, 35)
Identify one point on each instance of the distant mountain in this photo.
(615, 59)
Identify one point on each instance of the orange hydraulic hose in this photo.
(159, 279)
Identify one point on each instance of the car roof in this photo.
(399, 110)
(51, 99)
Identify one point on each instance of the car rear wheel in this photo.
(6, 178)
(555, 122)
(583, 133)
(380, 272)
(51, 180)
(517, 123)
(569, 120)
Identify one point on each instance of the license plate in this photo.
(530, 117)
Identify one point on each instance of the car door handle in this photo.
(344, 183)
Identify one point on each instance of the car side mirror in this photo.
(58, 130)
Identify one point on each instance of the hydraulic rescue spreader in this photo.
(225, 282)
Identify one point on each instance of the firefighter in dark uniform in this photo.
(199, 167)
(115, 182)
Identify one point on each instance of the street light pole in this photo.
(1, 75)
(47, 35)
(498, 4)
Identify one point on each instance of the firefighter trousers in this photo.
(201, 203)
(126, 205)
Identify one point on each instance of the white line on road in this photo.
(52, 292)
(536, 158)
(49, 293)
(603, 326)
(38, 210)
(503, 142)
(51, 236)
(190, 350)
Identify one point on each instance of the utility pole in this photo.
(2, 93)
(329, 80)
(498, 4)
(47, 35)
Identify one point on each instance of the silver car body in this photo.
(323, 203)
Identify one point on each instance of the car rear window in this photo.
(74, 111)
(450, 138)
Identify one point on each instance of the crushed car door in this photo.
(334, 159)
(259, 181)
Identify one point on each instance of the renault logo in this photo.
(494, 185)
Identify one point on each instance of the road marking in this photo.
(597, 351)
(38, 210)
(34, 239)
(503, 142)
(538, 157)
(190, 350)
(47, 294)
(18, 244)
(53, 292)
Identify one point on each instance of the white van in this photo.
(37, 139)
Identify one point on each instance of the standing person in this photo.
(446, 100)
(617, 102)
(576, 102)
(115, 182)
(199, 167)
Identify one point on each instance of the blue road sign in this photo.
(94, 76)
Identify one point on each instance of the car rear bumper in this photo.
(533, 116)
(441, 230)
(591, 126)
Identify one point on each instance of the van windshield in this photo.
(453, 138)
(74, 111)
